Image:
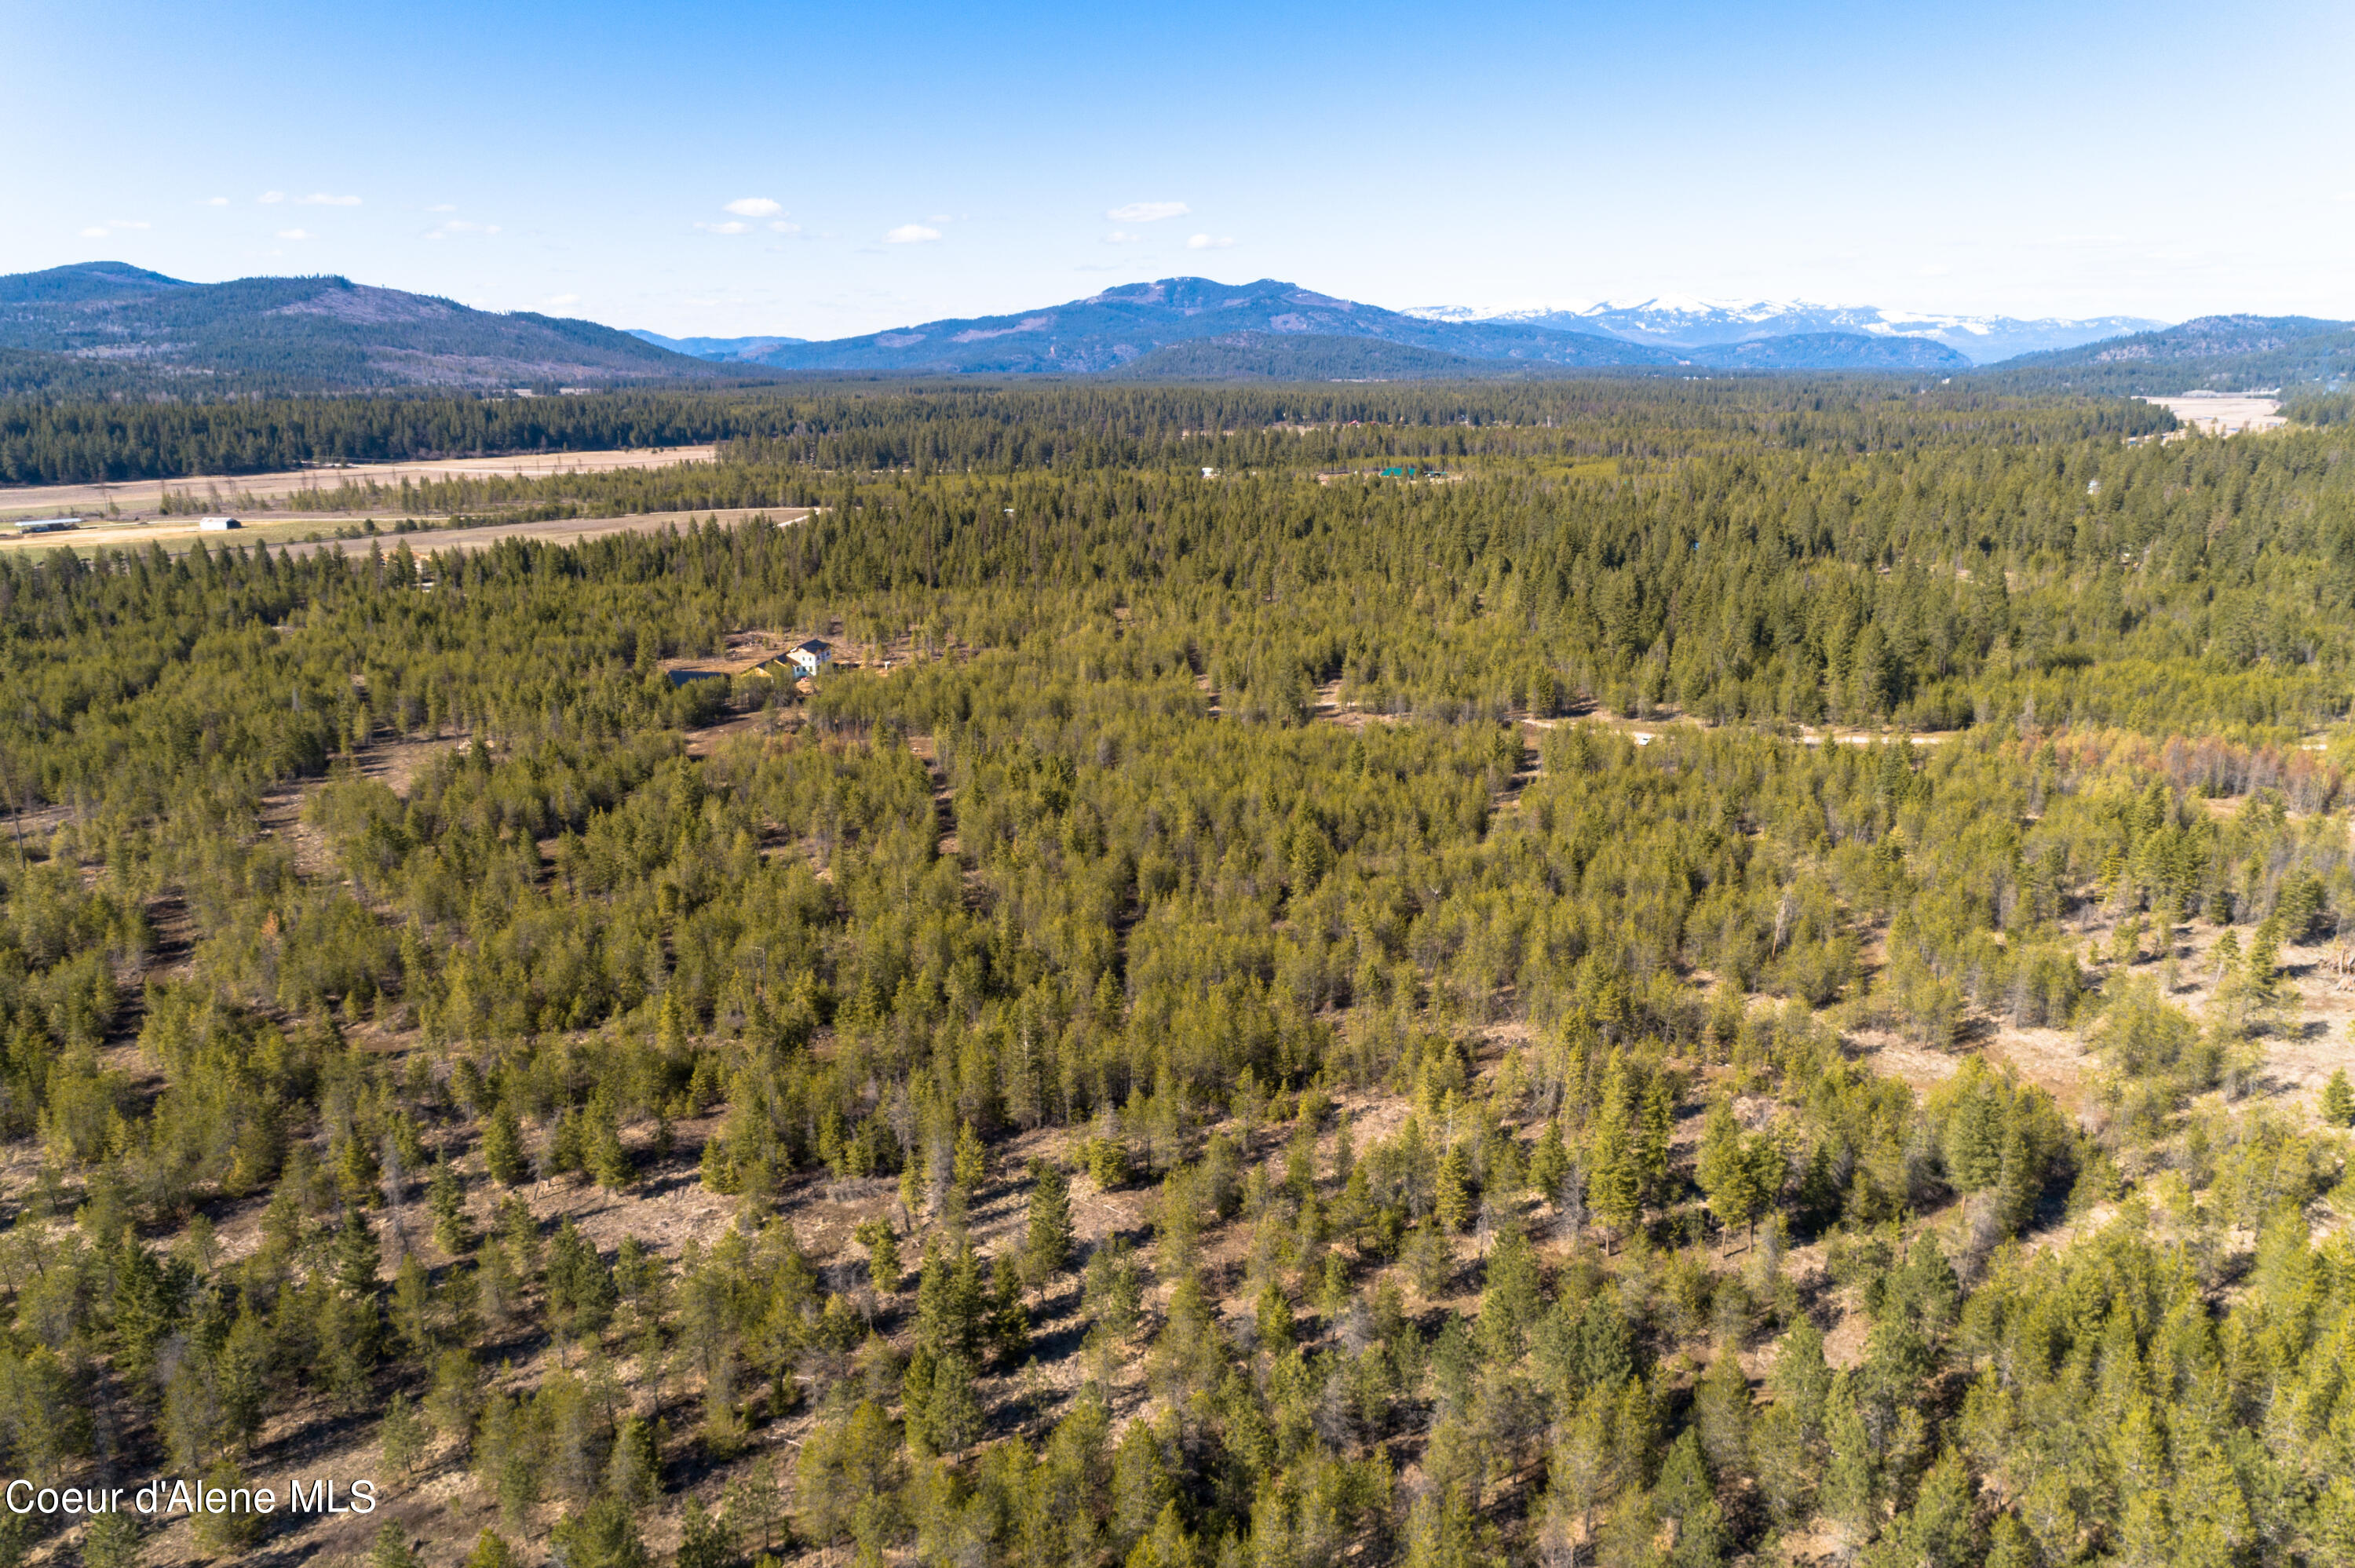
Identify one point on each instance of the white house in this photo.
(810, 657)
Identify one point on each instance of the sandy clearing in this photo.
(2216, 414)
(147, 494)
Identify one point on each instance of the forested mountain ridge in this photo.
(715, 348)
(1831, 351)
(297, 334)
(1248, 1024)
(2223, 354)
(1106, 331)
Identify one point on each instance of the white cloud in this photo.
(95, 232)
(564, 299)
(271, 198)
(911, 234)
(216, 201)
(1148, 211)
(321, 199)
(755, 206)
(1122, 236)
(294, 234)
(1207, 242)
(731, 226)
(460, 226)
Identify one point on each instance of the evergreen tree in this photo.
(503, 1153)
(2338, 1099)
(1047, 1235)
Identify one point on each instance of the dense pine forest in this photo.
(1751, 974)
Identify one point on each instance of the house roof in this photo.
(812, 646)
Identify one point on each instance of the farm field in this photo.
(225, 492)
(295, 534)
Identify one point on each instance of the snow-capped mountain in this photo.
(1673, 321)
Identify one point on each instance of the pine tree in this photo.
(883, 1247)
(446, 1197)
(1851, 1491)
(1047, 1235)
(2338, 1099)
(1686, 1496)
(1452, 1197)
(1721, 1407)
(1613, 1186)
(491, 1551)
(1657, 1128)
(971, 1164)
(503, 1153)
(1549, 1164)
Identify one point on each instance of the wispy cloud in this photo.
(1209, 242)
(755, 206)
(295, 234)
(216, 201)
(271, 198)
(911, 234)
(1148, 211)
(321, 199)
(1122, 236)
(730, 227)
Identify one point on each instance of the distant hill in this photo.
(107, 326)
(1316, 357)
(1831, 351)
(1123, 325)
(2224, 354)
(721, 350)
(1682, 324)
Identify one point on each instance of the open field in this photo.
(145, 496)
(2212, 414)
(293, 534)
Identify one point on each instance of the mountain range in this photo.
(106, 328)
(1683, 324)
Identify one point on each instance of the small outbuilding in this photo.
(810, 657)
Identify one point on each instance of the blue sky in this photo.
(821, 171)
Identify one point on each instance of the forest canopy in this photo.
(1736, 975)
